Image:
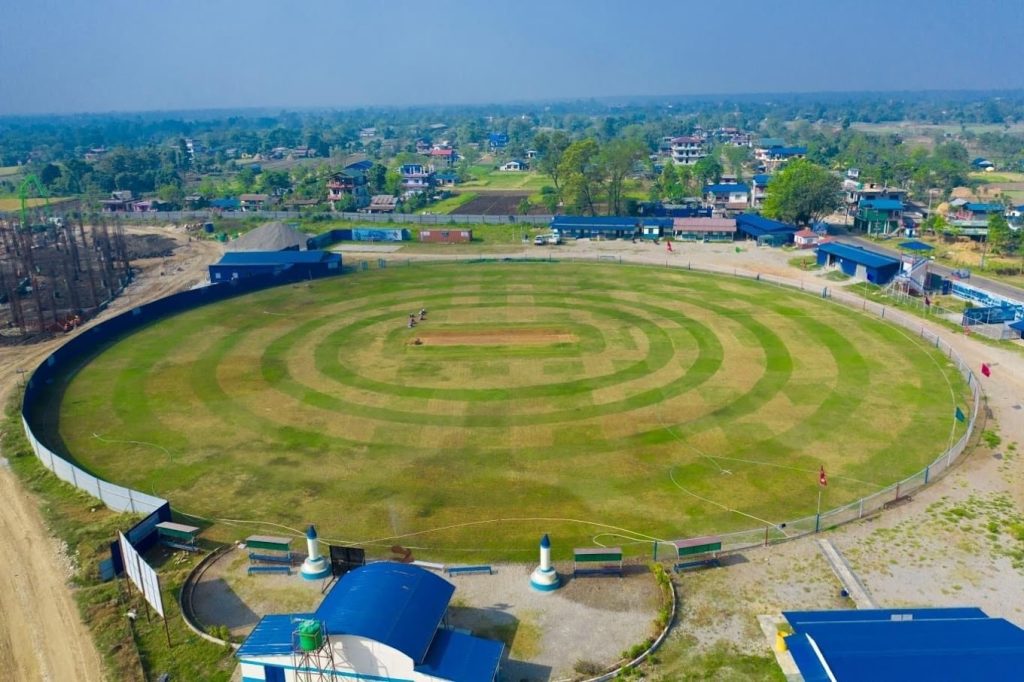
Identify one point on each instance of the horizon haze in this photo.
(120, 56)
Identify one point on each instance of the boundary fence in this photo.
(122, 499)
(409, 218)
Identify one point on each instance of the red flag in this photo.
(985, 369)
(822, 480)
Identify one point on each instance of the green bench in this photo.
(597, 561)
(697, 552)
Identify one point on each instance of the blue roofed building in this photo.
(383, 622)
(287, 266)
(858, 262)
(886, 645)
(879, 216)
(764, 230)
(497, 140)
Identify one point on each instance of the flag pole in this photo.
(817, 514)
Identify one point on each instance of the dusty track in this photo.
(42, 636)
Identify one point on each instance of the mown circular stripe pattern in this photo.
(680, 401)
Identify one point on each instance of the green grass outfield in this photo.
(599, 403)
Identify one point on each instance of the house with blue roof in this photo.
(732, 196)
(858, 262)
(497, 140)
(890, 645)
(879, 216)
(384, 622)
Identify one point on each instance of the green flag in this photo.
(960, 415)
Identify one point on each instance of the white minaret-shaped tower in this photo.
(315, 566)
(545, 578)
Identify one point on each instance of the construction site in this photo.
(57, 270)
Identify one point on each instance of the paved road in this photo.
(995, 287)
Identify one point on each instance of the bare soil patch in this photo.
(496, 337)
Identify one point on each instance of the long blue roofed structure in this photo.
(890, 645)
(758, 227)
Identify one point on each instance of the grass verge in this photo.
(87, 528)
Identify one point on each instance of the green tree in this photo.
(1000, 238)
(668, 183)
(708, 169)
(393, 183)
(376, 178)
(618, 159)
(736, 156)
(582, 174)
(802, 192)
(550, 148)
(172, 194)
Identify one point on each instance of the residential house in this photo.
(764, 146)
(982, 164)
(383, 203)
(95, 153)
(225, 204)
(728, 196)
(497, 141)
(973, 210)
(686, 150)
(758, 189)
(806, 239)
(416, 178)
(120, 200)
(367, 133)
(446, 179)
(532, 154)
(444, 155)
(879, 216)
(253, 202)
(780, 155)
(423, 146)
(348, 183)
(858, 191)
(515, 165)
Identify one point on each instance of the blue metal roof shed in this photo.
(754, 226)
(608, 227)
(908, 644)
(856, 261)
(460, 658)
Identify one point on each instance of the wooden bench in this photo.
(270, 569)
(458, 570)
(697, 552)
(597, 561)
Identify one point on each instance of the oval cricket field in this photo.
(598, 403)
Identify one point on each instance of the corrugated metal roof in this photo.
(621, 222)
(983, 208)
(928, 646)
(757, 226)
(726, 188)
(272, 636)
(398, 605)
(881, 204)
(462, 658)
(275, 257)
(857, 254)
(705, 224)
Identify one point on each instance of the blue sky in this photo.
(127, 55)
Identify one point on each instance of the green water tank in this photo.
(311, 637)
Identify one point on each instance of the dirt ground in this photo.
(35, 597)
(541, 630)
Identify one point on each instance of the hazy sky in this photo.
(116, 55)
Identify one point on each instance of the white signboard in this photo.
(142, 574)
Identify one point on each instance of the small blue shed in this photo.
(857, 261)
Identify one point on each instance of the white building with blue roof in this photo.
(382, 622)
